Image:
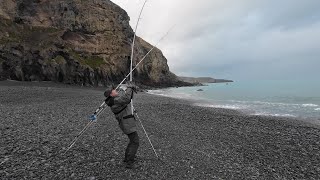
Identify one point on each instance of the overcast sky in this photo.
(234, 39)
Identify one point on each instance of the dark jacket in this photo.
(120, 106)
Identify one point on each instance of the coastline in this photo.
(39, 121)
(202, 102)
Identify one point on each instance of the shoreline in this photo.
(192, 102)
(208, 104)
(193, 142)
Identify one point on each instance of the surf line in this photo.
(103, 106)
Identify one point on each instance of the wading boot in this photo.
(130, 165)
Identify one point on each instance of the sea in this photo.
(265, 98)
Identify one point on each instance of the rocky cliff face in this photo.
(74, 41)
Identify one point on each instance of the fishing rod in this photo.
(132, 49)
(102, 107)
(131, 79)
(145, 132)
(154, 46)
(134, 38)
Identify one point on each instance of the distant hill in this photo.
(201, 80)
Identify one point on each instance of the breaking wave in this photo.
(281, 107)
(173, 95)
(220, 106)
(310, 105)
(276, 115)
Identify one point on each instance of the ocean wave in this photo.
(310, 105)
(219, 106)
(274, 103)
(254, 107)
(172, 95)
(276, 115)
(264, 103)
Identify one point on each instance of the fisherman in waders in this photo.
(119, 102)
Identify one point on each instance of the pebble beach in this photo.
(38, 120)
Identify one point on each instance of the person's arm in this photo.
(124, 98)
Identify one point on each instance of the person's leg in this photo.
(132, 147)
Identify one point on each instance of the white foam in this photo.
(277, 115)
(227, 106)
(275, 103)
(157, 92)
(310, 105)
(264, 103)
(173, 95)
(253, 107)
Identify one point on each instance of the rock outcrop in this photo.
(76, 42)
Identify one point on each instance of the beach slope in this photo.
(39, 120)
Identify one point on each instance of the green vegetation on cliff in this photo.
(93, 61)
(89, 60)
(59, 59)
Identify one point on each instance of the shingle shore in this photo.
(39, 120)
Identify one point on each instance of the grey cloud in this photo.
(243, 39)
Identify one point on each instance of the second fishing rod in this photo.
(103, 106)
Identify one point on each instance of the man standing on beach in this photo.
(119, 102)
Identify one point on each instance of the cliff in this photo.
(76, 42)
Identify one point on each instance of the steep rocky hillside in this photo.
(76, 42)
